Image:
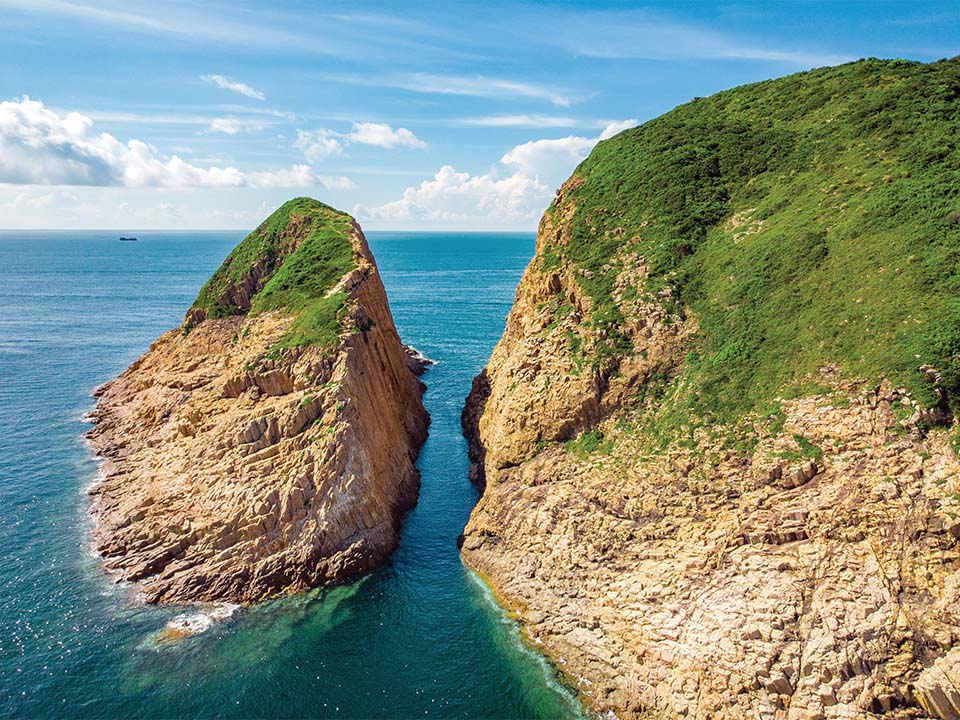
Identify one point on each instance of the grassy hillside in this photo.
(298, 253)
(805, 220)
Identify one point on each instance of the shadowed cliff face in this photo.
(708, 492)
(248, 453)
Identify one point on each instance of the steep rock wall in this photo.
(234, 471)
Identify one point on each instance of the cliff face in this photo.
(266, 445)
(716, 436)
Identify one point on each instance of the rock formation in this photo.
(268, 444)
(709, 492)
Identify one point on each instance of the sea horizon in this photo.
(188, 231)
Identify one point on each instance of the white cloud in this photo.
(221, 81)
(336, 182)
(320, 144)
(227, 126)
(127, 209)
(40, 147)
(296, 176)
(452, 196)
(552, 161)
(615, 127)
(382, 135)
(549, 158)
(512, 195)
(35, 201)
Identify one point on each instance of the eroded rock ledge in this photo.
(239, 464)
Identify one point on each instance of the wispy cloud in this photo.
(90, 12)
(480, 86)
(260, 115)
(289, 31)
(613, 33)
(227, 126)
(529, 121)
(159, 118)
(642, 35)
(235, 126)
(468, 85)
(183, 21)
(221, 81)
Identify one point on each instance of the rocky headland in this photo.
(717, 438)
(266, 445)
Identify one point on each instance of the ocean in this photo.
(421, 637)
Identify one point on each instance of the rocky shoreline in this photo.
(803, 588)
(235, 471)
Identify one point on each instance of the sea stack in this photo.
(267, 445)
(717, 437)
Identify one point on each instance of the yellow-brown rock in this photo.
(237, 464)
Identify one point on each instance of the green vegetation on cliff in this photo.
(289, 263)
(806, 220)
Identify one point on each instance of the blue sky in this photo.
(426, 115)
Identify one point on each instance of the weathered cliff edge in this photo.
(255, 451)
(793, 560)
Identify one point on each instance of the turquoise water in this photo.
(419, 638)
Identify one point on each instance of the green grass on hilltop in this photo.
(848, 182)
(303, 249)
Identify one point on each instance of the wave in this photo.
(194, 623)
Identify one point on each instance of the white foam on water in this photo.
(99, 479)
(194, 623)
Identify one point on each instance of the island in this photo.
(267, 444)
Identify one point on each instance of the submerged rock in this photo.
(268, 444)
